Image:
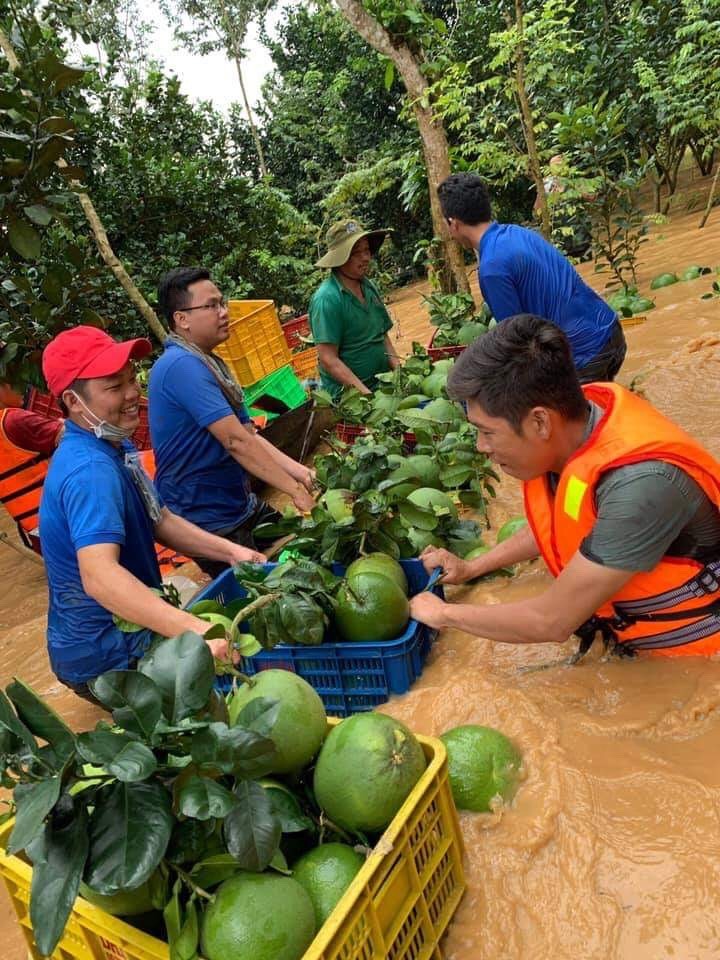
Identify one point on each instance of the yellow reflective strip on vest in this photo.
(574, 494)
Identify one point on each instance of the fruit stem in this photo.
(251, 609)
(324, 821)
(187, 879)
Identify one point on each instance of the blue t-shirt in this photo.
(197, 478)
(520, 272)
(89, 498)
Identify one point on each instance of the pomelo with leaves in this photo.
(299, 721)
(436, 500)
(510, 528)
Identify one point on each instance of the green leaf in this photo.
(38, 214)
(389, 74)
(24, 240)
(58, 857)
(134, 699)
(34, 802)
(185, 945)
(42, 720)
(183, 669)
(121, 755)
(203, 799)
(129, 832)
(211, 871)
(222, 749)
(251, 830)
(419, 517)
(13, 733)
(259, 715)
(61, 75)
(287, 809)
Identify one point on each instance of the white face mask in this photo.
(101, 428)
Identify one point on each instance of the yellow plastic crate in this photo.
(398, 906)
(305, 363)
(256, 345)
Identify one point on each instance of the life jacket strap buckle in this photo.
(706, 583)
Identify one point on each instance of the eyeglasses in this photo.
(216, 305)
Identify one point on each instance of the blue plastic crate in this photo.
(350, 677)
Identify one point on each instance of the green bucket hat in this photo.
(342, 237)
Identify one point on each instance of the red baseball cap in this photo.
(86, 352)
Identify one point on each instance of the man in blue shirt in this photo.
(100, 515)
(204, 442)
(520, 272)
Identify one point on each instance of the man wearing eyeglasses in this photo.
(205, 444)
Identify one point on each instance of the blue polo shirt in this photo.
(196, 477)
(520, 272)
(89, 498)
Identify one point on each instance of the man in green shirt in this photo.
(348, 319)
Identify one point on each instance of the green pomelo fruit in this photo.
(664, 280)
(434, 384)
(433, 499)
(301, 724)
(641, 305)
(325, 873)
(470, 332)
(262, 916)
(693, 272)
(414, 400)
(338, 503)
(371, 608)
(441, 411)
(483, 764)
(443, 366)
(379, 563)
(367, 767)
(510, 527)
(127, 903)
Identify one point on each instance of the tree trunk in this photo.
(101, 239)
(705, 161)
(528, 125)
(432, 131)
(251, 120)
(711, 197)
(235, 43)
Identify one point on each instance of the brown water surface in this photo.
(611, 849)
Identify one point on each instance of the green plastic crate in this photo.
(282, 384)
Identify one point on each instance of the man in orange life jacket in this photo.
(623, 506)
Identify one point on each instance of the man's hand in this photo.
(306, 477)
(428, 609)
(302, 500)
(455, 569)
(239, 554)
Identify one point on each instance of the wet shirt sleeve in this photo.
(194, 386)
(94, 506)
(643, 510)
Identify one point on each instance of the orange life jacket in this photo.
(22, 474)
(673, 610)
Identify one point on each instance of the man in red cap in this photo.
(100, 515)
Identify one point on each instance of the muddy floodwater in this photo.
(611, 849)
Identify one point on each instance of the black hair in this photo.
(173, 290)
(78, 386)
(523, 362)
(464, 196)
